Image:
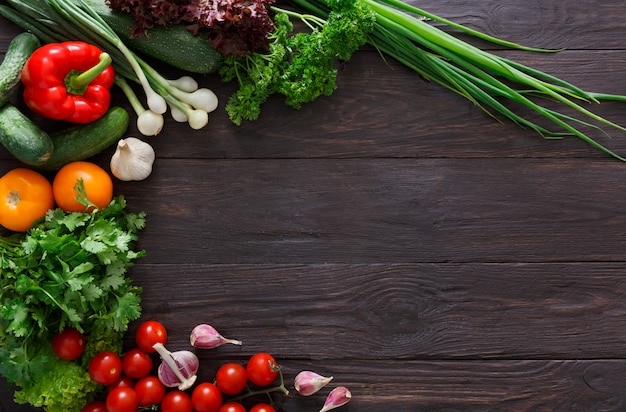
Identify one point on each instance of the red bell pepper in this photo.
(68, 81)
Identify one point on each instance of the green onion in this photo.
(403, 32)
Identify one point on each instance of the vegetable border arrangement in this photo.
(265, 56)
(68, 271)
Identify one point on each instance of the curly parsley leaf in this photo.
(299, 66)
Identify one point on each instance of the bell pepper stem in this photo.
(77, 81)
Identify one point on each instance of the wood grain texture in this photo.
(373, 211)
(396, 237)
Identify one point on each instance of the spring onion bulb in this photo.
(149, 123)
(184, 83)
(177, 114)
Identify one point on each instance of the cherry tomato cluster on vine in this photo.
(132, 386)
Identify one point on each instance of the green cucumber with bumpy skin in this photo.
(172, 44)
(23, 138)
(84, 141)
(20, 49)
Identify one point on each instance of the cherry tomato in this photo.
(122, 400)
(68, 344)
(176, 401)
(262, 407)
(149, 333)
(206, 397)
(95, 406)
(105, 367)
(262, 369)
(231, 378)
(25, 196)
(122, 382)
(97, 182)
(136, 363)
(232, 407)
(150, 390)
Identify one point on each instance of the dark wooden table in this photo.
(394, 236)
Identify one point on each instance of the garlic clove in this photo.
(336, 398)
(307, 383)
(132, 160)
(205, 336)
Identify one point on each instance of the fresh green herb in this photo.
(69, 270)
(299, 66)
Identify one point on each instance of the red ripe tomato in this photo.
(122, 400)
(176, 401)
(231, 378)
(262, 407)
(232, 407)
(136, 363)
(206, 397)
(150, 391)
(262, 369)
(68, 344)
(105, 367)
(149, 333)
(95, 406)
(122, 382)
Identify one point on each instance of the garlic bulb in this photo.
(132, 159)
(178, 368)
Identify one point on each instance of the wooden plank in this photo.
(381, 210)
(566, 24)
(404, 311)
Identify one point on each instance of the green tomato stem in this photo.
(280, 388)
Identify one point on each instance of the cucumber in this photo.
(22, 138)
(20, 49)
(84, 141)
(172, 44)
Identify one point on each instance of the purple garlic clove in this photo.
(178, 369)
(206, 337)
(336, 398)
(307, 383)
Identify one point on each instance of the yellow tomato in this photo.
(25, 196)
(97, 182)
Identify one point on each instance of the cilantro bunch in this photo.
(69, 270)
(300, 66)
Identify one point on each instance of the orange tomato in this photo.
(25, 196)
(97, 182)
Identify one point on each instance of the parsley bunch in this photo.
(299, 66)
(69, 270)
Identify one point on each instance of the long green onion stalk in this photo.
(403, 32)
